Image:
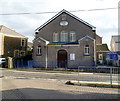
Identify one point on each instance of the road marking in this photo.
(12, 77)
(48, 72)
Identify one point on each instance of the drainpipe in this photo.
(46, 55)
(94, 32)
(47, 42)
(95, 52)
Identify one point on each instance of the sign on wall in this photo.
(112, 56)
(72, 56)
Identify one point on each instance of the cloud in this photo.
(106, 21)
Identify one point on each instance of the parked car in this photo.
(2, 62)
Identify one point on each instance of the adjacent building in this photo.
(98, 39)
(64, 41)
(115, 43)
(30, 45)
(12, 44)
(101, 50)
(115, 47)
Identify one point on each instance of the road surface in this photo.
(104, 77)
(43, 85)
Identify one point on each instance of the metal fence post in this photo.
(111, 76)
(78, 74)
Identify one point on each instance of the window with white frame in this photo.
(23, 42)
(72, 36)
(64, 36)
(100, 56)
(86, 50)
(39, 50)
(55, 37)
(72, 56)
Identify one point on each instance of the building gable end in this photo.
(70, 14)
(39, 38)
(85, 37)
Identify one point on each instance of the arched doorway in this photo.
(62, 59)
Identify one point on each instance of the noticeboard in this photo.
(112, 56)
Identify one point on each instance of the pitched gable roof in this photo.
(98, 36)
(64, 11)
(39, 38)
(85, 37)
(9, 32)
(102, 47)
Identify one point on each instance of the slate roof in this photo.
(9, 32)
(64, 11)
(102, 47)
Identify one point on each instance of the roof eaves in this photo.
(49, 20)
(19, 35)
(14, 36)
(41, 39)
(80, 20)
(85, 37)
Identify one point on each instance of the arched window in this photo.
(55, 37)
(72, 36)
(86, 50)
(64, 36)
(39, 52)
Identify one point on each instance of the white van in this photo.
(2, 60)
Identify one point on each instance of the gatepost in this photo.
(10, 62)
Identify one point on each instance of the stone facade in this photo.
(12, 43)
(66, 54)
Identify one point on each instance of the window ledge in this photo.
(86, 54)
(38, 54)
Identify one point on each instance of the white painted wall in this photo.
(1, 44)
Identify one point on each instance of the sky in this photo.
(105, 21)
